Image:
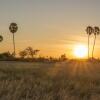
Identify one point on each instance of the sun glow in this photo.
(80, 51)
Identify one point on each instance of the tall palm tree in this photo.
(96, 32)
(13, 29)
(1, 38)
(89, 31)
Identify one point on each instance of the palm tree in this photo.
(96, 32)
(13, 29)
(89, 31)
(1, 38)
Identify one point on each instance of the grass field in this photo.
(72, 80)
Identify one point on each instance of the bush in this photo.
(6, 56)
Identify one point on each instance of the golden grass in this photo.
(73, 80)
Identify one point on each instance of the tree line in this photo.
(30, 54)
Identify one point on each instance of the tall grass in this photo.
(49, 81)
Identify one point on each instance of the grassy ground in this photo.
(73, 80)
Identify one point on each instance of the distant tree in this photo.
(89, 31)
(63, 57)
(13, 29)
(1, 38)
(23, 53)
(31, 52)
(50, 58)
(36, 51)
(6, 55)
(96, 32)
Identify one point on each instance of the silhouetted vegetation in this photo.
(96, 31)
(23, 54)
(13, 29)
(1, 38)
(29, 52)
(63, 57)
(6, 56)
(89, 31)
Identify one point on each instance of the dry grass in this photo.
(48, 81)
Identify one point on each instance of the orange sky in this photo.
(53, 26)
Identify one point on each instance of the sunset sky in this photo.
(53, 26)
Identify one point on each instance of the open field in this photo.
(73, 80)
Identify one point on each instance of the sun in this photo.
(80, 51)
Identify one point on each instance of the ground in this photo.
(71, 80)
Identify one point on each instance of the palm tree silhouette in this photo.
(89, 31)
(13, 29)
(1, 38)
(96, 32)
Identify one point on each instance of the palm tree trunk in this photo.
(14, 44)
(88, 46)
(93, 47)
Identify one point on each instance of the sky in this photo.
(52, 26)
